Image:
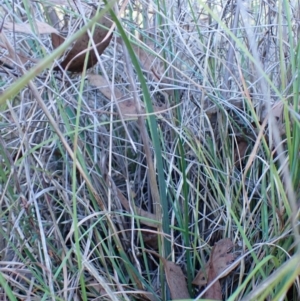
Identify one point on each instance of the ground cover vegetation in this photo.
(149, 150)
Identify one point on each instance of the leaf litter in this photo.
(176, 280)
(220, 262)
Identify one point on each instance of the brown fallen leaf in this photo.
(220, 259)
(75, 58)
(176, 280)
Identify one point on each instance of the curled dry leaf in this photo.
(75, 58)
(41, 27)
(220, 259)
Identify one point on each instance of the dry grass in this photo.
(91, 177)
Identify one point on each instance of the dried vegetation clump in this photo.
(148, 151)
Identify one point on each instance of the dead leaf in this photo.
(75, 58)
(57, 40)
(176, 280)
(41, 27)
(220, 259)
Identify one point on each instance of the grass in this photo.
(87, 191)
